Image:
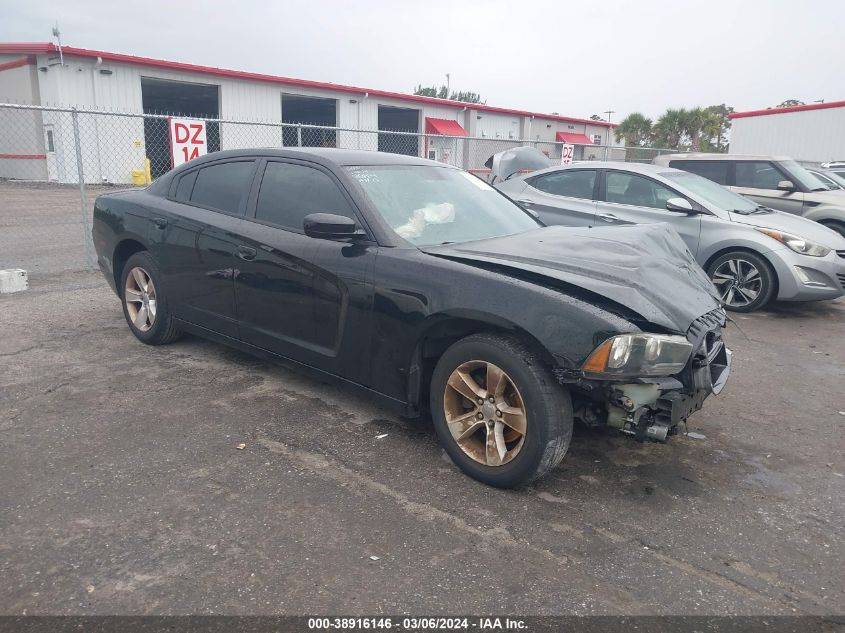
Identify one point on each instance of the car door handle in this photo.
(160, 223)
(247, 253)
(526, 203)
(608, 217)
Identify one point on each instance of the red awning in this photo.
(446, 127)
(572, 138)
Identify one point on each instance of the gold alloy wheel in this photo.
(140, 296)
(485, 413)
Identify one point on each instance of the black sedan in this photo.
(425, 288)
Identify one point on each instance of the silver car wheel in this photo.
(140, 296)
(738, 281)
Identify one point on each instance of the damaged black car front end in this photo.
(647, 385)
(647, 376)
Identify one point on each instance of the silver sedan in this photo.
(752, 254)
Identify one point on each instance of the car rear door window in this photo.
(573, 183)
(638, 191)
(758, 175)
(290, 191)
(223, 186)
(715, 170)
(185, 186)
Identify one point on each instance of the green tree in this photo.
(595, 117)
(635, 130)
(670, 129)
(443, 93)
(789, 103)
(715, 137)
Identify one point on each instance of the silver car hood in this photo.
(795, 224)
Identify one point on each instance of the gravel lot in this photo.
(121, 490)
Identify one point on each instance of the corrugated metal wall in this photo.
(112, 143)
(809, 135)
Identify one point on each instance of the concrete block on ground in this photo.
(13, 280)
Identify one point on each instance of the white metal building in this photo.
(813, 133)
(98, 80)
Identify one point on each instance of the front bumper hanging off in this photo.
(651, 410)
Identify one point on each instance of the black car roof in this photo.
(323, 155)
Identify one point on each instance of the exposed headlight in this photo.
(639, 355)
(797, 244)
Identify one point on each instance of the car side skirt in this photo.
(400, 407)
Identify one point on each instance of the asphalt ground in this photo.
(122, 490)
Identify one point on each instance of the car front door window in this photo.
(758, 175)
(291, 191)
(634, 190)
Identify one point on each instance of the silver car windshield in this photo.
(711, 192)
(436, 205)
(803, 177)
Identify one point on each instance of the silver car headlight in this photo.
(639, 355)
(797, 244)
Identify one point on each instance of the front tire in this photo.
(745, 281)
(498, 411)
(145, 304)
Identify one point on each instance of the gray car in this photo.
(774, 181)
(752, 254)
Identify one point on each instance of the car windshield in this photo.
(711, 192)
(831, 184)
(803, 177)
(429, 205)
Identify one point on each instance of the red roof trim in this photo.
(800, 108)
(573, 138)
(17, 63)
(446, 127)
(23, 156)
(48, 47)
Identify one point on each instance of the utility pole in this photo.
(609, 130)
(448, 86)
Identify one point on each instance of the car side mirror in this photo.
(329, 226)
(679, 205)
(786, 185)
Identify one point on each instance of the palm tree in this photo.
(670, 128)
(635, 129)
(695, 124)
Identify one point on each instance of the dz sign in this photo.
(187, 140)
(567, 151)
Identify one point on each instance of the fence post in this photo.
(83, 199)
(299, 135)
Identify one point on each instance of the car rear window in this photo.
(715, 170)
(573, 183)
(223, 186)
(185, 186)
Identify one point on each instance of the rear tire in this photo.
(833, 225)
(144, 301)
(493, 442)
(745, 281)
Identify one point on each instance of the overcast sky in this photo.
(575, 58)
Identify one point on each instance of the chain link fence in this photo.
(55, 161)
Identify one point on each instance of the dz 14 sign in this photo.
(187, 140)
(566, 154)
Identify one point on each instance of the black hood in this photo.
(644, 267)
